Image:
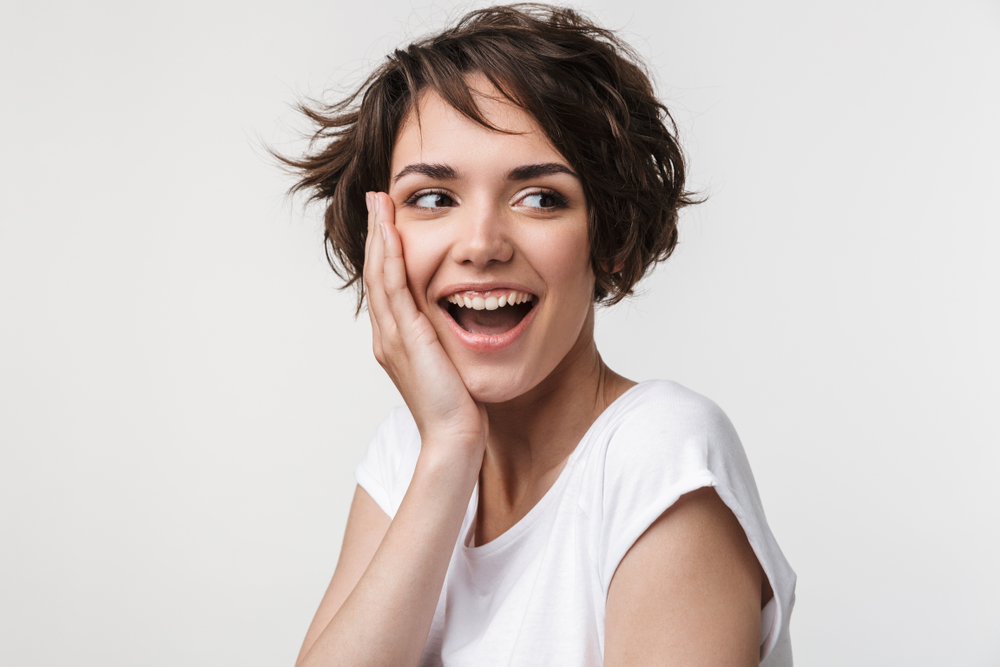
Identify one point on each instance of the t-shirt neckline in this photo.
(512, 534)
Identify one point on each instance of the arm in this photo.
(366, 526)
(379, 608)
(688, 592)
(385, 617)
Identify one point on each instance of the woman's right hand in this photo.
(380, 604)
(407, 347)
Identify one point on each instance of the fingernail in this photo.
(381, 228)
(378, 205)
(368, 201)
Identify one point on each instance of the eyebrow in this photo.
(441, 172)
(529, 171)
(526, 172)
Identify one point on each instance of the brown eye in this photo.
(433, 200)
(544, 199)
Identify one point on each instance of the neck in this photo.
(531, 437)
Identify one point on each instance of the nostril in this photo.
(482, 246)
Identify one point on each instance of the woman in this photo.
(529, 505)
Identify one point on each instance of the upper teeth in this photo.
(490, 302)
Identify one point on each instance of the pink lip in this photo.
(489, 342)
(486, 342)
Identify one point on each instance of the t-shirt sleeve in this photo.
(387, 467)
(675, 442)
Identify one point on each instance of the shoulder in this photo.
(396, 433)
(662, 406)
(664, 441)
(395, 438)
(671, 428)
(388, 463)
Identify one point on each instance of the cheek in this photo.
(567, 258)
(421, 257)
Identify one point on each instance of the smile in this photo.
(490, 319)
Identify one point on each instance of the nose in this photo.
(482, 238)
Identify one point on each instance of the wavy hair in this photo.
(586, 88)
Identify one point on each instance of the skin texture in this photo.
(507, 419)
(474, 239)
(688, 592)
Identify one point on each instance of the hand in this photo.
(407, 347)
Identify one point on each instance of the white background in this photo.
(184, 393)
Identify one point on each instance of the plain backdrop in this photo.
(184, 393)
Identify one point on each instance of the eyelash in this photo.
(560, 201)
(412, 201)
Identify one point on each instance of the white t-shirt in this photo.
(536, 594)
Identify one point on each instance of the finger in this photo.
(369, 271)
(374, 261)
(400, 300)
(370, 279)
(376, 336)
(378, 305)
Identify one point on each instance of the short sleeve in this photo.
(387, 466)
(673, 442)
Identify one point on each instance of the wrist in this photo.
(447, 461)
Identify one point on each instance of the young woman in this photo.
(485, 188)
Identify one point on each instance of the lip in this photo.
(487, 342)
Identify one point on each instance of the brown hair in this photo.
(586, 88)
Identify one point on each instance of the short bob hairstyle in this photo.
(585, 87)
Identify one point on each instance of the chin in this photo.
(493, 385)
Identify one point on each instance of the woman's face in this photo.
(487, 219)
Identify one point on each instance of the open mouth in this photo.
(490, 313)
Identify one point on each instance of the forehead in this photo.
(444, 136)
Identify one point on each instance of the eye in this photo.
(544, 199)
(430, 200)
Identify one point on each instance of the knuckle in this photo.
(390, 338)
